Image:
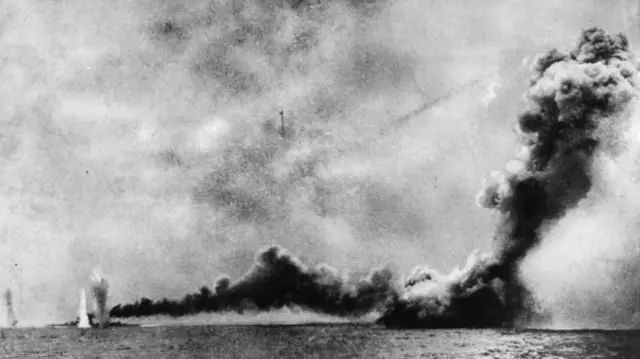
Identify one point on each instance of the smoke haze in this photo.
(593, 251)
(142, 137)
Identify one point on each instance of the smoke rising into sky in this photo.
(142, 136)
(577, 111)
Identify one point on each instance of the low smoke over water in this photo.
(169, 142)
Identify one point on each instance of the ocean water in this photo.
(313, 341)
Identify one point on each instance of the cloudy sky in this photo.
(140, 137)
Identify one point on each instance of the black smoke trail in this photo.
(278, 280)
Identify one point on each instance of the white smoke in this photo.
(491, 92)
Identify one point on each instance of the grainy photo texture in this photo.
(319, 179)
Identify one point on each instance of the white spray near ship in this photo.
(99, 317)
(83, 316)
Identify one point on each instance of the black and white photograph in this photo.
(319, 179)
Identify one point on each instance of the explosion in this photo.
(100, 291)
(577, 103)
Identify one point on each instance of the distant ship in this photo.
(87, 320)
(92, 323)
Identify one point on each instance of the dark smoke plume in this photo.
(278, 280)
(100, 291)
(11, 316)
(574, 101)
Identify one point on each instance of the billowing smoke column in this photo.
(279, 280)
(574, 101)
(100, 291)
(11, 315)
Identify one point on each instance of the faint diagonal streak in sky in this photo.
(427, 105)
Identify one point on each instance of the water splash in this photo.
(83, 317)
(100, 291)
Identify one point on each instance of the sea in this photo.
(312, 341)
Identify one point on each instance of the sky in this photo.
(140, 137)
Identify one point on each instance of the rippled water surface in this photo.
(313, 341)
